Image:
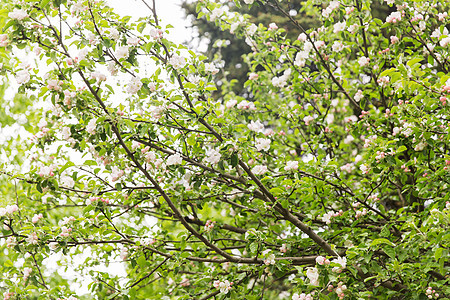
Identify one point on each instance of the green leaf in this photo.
(438, 253)
(234, 160)
(382, 241)
(44, 3)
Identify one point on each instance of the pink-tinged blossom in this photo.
(291, 165)
(92, 126)
(27, 272)
(22, 77)
(134, 85)
(259, 170)
(444, 42)
(313, 276)
(124, 254)
(116, 174)
(8, 295)
(223, 286)
(363, 61)
(122, 52)
(269, 258)
(18, 14)
(246, 105)
(308, 120)
(211, 68)
(302, 296)
(98, 76)
(358, 96)
(273, 26)
(351, 119)
(209, 225)
(394, 39)
(230, 103)
(53, 245)
(342, 261)
(54, 84)
(11, 241)
(133, 41)
(36, 218)
(177, 62)
(156, 33)
(253, 76)
(442, 16)
(283, 248)
(174, 159)
(338, 46)
(65, 231)
(262, 144)
(216, 13)
(113, 33)
(46, 171)
(394, 17)
(112, 68)
(3, 40)
(32, 238)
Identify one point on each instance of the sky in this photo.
(169, 12)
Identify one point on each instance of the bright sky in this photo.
(169, 12)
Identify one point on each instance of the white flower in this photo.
(291, 165)
(281, 80)
(337, 46)
(251, 30)
(444, 42)
(133, 41)
(256, 126)
(224, 286)
(363, 61)
(308, 120)
(122, 52)
(32, 238)
(22, 76)
(420, 146)
(18, 14)
(67, 181)
(349, 139)
(212, 156)
(174, 159)
(259, 169)
(113, 33)
(211, 68)
(116, 174)
(216, 13)
(341, 261)
(134, 85)
(262, 144)
(230, 103)
(339, 26)
(249, 1)
(313, 276)
(36, 218)
(358, 96)
(92, 126)
(177, 62)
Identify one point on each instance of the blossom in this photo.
(113, 34)
(363, 61)
(283, 248)
(256, 126)
(98, 76)
(174, 159)
(251, 30)
(262, 144)
(32, 238)
(339, 26)
(122, 52)
(273, 26)
(54, 84)
(337, 46)
(22, 76)
(394, 39)
(223, 286)
(133, 41)
(156, 33)
(134, 85)
(358, 96)
(53, 245)
(116, 173)
(216, 13)
(18, 14)
(36, 218)
(269, 257)
(46, 171)
(281, 80)
(92, 126)
(123, 254)
(65, 231)
(291, 165)
(211, 68)
(249, 1)
(342, 261)
(177, 61)
(308, 120)
(212, 156)
(246, 105)
(11, 241)
(67, 181)
(313, 276)
(3, 40)
(253, 76)
(259, 169)
(394, 17)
